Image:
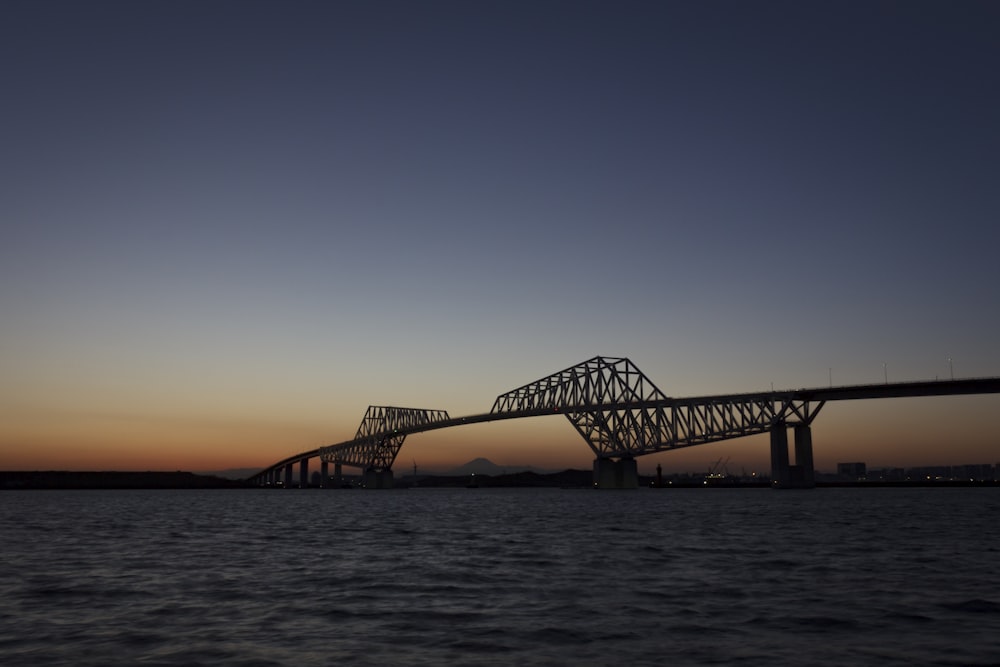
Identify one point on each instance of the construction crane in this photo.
(719, 469)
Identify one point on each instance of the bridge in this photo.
(621, 415)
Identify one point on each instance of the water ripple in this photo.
(484, 577)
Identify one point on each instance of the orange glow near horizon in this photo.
(221, 267)
(884, 433)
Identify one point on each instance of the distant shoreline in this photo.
(569, 479)
(65, 479)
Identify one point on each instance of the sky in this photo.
(229, 227)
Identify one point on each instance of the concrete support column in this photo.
(304, 474)
(804, 457)
(378, 479)
(630, 474)
(604, 474)
(787, 476)
(781, 474)
(324, 474)
(288, 475)
(623, 474)
(338, 475)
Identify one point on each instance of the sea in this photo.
(828, 576)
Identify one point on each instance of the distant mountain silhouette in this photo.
(482, 466)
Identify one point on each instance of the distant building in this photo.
(930, 473)
(886, 475)
(851, 471)
(977, 472)
(858, 472)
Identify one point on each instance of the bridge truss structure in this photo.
(622, 414)
(380, 436)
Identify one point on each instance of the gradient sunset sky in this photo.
(229, 227)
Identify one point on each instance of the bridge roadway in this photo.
(819, 395)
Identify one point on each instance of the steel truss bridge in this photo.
(621, 415)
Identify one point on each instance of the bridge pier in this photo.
(780, 473)
(304, 474)
(804, 456)
(784, 475)
(621, 474)
(288, 475)
(324, 474)
(378, 479)
(338, 475)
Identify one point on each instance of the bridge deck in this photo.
(821, 394)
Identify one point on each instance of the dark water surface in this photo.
(501, 577)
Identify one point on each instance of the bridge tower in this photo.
(622, 415)
(591, 395)
(377, 442)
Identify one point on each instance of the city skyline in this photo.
(230, 227)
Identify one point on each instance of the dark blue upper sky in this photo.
(345, 195)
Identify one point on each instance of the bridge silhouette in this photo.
(621, 415)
